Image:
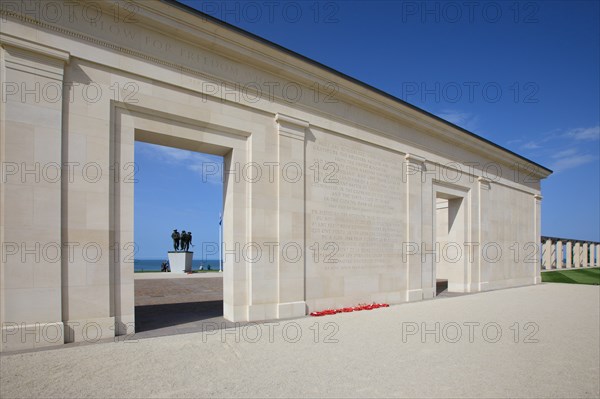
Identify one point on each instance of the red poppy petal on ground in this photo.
(350, 309)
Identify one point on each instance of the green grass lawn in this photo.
(579, 276)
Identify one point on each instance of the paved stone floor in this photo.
(177, 290)
(183, 304)
(178, 305)
(537, 342)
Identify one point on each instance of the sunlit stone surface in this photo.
(335, 194)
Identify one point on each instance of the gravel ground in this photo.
(378, 353)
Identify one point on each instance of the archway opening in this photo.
(178, 288)
(450, 239)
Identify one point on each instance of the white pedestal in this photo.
(180, 262)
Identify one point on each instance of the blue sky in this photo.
(171, 192)
(524, 75)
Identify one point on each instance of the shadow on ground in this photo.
(153, 317)
(179, 306)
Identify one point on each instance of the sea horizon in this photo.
(155, 264)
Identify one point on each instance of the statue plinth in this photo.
(180, 262)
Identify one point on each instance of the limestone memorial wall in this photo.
(335, 194)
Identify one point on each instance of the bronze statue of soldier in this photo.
(176, 238)
(184, 239)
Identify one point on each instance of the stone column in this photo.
(97, 277)
(584, 255)
(597, 255)
(569, 250)
(121, 236)
(484, 187)
(236, 276)
(559, 255)
(537, 237)
(547, 254)
(428, 267)
(291, 266)
(414, 166)
(577, 254)
(31, 195)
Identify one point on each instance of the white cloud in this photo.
(571, 162)
(563, 149)
(531, 145)
(569, 152)
(584, 133)
(173, 154)
(208, 167)
(210, 171)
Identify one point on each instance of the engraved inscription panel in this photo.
(355, 208)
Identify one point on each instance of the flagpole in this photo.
(221, 243)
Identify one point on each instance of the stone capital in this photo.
(33, 58)
(291, 127)
(13, 41)
(484, 183)
(414, 159)
(414, 163)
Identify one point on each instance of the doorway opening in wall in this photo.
(450, 268)
(178, 205)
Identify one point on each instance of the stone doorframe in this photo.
(455, 192)
(130, 123)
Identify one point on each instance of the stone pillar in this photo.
(31, 195)
(484, 187)
(569, 250)
(597, 255)
(97, 277)
(537, 237)
(291, 265)
(414, 166)
(547, 254)
(428, 271)
(559, 255)
(236, 270)
(584, 255)
(577, 254)
(120, 276)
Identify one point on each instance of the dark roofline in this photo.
(227, 25)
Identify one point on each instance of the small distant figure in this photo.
(168, 266)
(163, 267)
(176, 238)
(188, 241)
